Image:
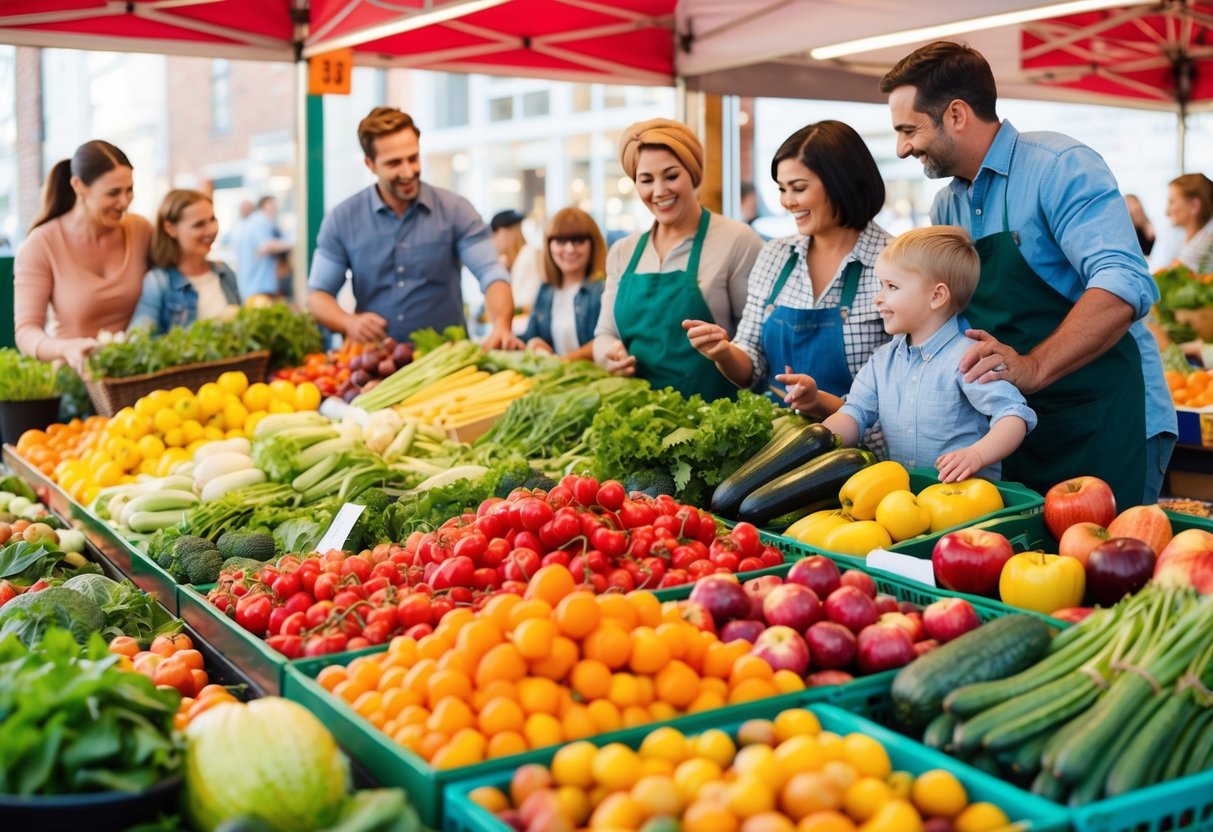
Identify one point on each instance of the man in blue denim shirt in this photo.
(931, 416)
(1063, 285)
(402, 242)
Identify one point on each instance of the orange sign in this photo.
(329, 74)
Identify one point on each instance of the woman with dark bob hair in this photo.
(84, 258)
(810, 320)
(570, 298)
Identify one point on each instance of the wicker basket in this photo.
(110, 395)
(1201, 321)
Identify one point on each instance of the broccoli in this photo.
(201, 566)
(651, 481)
(246, 544)
(246, 565)
(370, 528)
(505, 476)
(538, 480)
(190, 543)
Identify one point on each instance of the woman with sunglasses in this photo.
(690, 265)
(569, 300)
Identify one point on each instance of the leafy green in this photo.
(15, 485)
(24, 379)
(30, 615)
(1173, 358)
(425, 340)
(698, 444)
(129, 611)
(298, 534)
(289, 336)
(72, 721)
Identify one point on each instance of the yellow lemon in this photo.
(192, 429)
(175, 438)
(210, 400)
(187, 408)
(234, 382)
(282, 389)
(257, 396)
(234, 415)
(250, 424)
(165, 420)
(279, 406)
(212, 433)
(179, 393)
(307, 396)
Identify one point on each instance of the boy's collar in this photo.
(935, 343)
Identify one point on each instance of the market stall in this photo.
(543, 626)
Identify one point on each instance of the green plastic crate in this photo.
(1036, 814)
(262, 664)
(392, 765)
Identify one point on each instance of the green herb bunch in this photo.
(23, 378)
(288, 335)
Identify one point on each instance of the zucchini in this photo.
(1070, 701)
(1182, 753)
(1091, 786)
(996, 649)
(790, 448)
(1025, 762)
(805, 487)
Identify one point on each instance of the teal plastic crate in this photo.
(393, 765)
(1184, 805)
(1033, 813)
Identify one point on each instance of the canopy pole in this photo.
(1181, 150)
(309, 180)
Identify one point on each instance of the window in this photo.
(535, 104)
(582, 98)
(501, 109)
(451, 100)
(221, 97)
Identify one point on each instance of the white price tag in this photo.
(916, 569)
(339, 530)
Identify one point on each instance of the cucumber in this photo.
(1197, 718)
(1154, 743)
(806, 486)
(1072, 701)
(970, 700)
(1202, 751)
(790, 448)
(1091, 786)
(1034, 705)
(938, 733)
(999, 648)
(1047, 786)
(1025, 762)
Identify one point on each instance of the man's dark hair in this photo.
(942, 72)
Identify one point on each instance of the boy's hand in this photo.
(959, 465)
(709, 339)
(802, 390)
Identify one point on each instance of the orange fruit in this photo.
(330, 676)
(591, 679)
(658, 795)
(708, 816)
(826, 821)
(617, 811)
(538, 695)
(542, 730)
(666, 744)
(649, 651)
(707, 700)
(624, 690)
(609, 644)
(550, 583)
(867, 755)
(719, 658)
(748, 690)
(576, 723)
(981, 817)
(466, 748)
(647, 607)
(529, 608)
(615, 766)
(937, 793)
(497, 688)
(572, 765)
(750, 667)
(450, 715)
(606, 716)
(675, 636)
(577, 614)
(677, 684)
(478, 637)
(796, 722)
(559, 661)
(807, 792)
(533, 638)
(490, 799)
(447, 682)
(500, 714)
(767, 822)
(505, 744)
(497, 610)
(618, 607)
(865, 797)
(501, 662)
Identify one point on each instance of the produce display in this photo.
(501, 594)
(784, 773)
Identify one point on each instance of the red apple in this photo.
(859, 580)
(919, 624)
(1149, 524)
(818, 573)
(949, 618)
(746, 629)
(1078, 500)
(1073, 615)
(1078, 540)
(831, 645)
(722, 597)
(792, 605)
(851, 607)
(1187, 561)
(884, 648)
(971, 560)
(758, 589)
(907, 607)
(924, 646)
(1117, 568)
(696, 614)
(903, 622)
(886, 603)
(821, 678)
(783, 649)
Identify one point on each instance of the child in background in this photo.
(911, 385)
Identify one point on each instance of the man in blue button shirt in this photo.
(1063, 284)
(402, 241)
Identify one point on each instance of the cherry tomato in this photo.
(293, 624)
(558, 556)
(318, 613)
(728, 560)
(745, 535)
(533, 513)
(611, 495)
(621, 579)
(559, 497)
(290, 646)
(634, 514)
(474, 545)
(414, 609)
(287, 584)
(749, 564)
(277, 616)
(771, 556)
(610, 542)
(325, 586)
(357, 565)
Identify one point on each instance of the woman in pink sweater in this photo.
(85, 257)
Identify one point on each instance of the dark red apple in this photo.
(821, 678)
(783, 649)
(792, 605)
(1078, 541)
(886, 603)
(949, 618)
(851, 607)
(722, 596)
(1117, 568)
(924, 646)
(818, 573)
(971, 560)
(1078, 500)
(831, 646)
(758, 589)
(746, 629)
(859, 580)
(883, 648)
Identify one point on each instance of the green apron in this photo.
(1093, 420)
(649, 310)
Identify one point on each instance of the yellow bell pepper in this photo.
(1040, 582)
(863, 492)
(958, 503)
(857, 539)
(900, 513)
(812, 529)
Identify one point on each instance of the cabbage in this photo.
(270, 758)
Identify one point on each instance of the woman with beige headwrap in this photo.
(690, 265)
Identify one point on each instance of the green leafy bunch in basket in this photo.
(288, 335)
(24, 379)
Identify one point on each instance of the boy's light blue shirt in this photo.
(923, 403)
